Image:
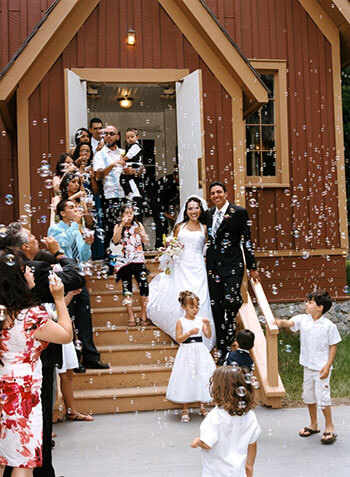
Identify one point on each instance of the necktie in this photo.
(75, 250)
(217, 221)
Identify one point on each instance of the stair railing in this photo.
(271, 334)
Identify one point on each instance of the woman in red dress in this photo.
(25, 330)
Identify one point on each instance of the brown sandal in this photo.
(146, 322)
(77, 416)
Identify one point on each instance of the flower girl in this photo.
(193, 366)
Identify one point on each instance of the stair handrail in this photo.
(272, 331)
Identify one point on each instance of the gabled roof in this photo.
(339, 12)
(192, 17)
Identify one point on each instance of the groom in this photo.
(227, 228)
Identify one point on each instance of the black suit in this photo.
(225, 266)
(52, 355)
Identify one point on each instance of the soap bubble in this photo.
(252, 203)
(346, 289)
(288, 348)
(78, 345)
(43, 219)
(3, 231)
(10, 260)
(48, 184)
(241, 391)
(143, 276)
(305, 254)
(98, 299)
(9, 199)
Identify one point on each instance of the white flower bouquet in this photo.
(170, 253)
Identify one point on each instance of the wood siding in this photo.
(263, 29)
(18, 20)
(304, 216)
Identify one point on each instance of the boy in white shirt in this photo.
(318, 347)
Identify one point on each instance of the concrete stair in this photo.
(140, 357)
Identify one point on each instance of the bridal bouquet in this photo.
(170, 253)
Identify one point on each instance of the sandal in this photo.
(185, 417)
(307, 432)
(132, 323)
(203, 412)
(77, 416)
(324, 439)
(145, 322)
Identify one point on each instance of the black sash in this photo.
(193, 339)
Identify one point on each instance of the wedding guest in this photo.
(25, 331)
(130, 260)
(96, 131)
(74, 245)
(108, 166)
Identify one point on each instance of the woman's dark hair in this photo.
(65, 181)
(231, 390)
(59, 171)
(76, 153)
(77, 135)
(14, 291)
(201, 217)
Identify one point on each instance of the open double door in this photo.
(189, 118)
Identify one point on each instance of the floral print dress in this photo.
(20, 386)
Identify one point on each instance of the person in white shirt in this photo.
(318, 346)
(108, 165)
(229, 434)
(96, 131)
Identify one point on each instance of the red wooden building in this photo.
(194, 77)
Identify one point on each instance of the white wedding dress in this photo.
(188, 273)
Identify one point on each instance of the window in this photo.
(267, 162)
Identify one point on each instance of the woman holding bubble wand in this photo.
(129, 260)
(25, 329)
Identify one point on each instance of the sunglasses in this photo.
(110, 134)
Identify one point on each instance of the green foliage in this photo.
(292, 373)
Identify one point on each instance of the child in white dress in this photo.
(229, 433)
(194, 365)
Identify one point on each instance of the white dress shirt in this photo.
(111, 182)
(315, 339)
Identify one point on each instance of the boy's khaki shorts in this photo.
(315, 389)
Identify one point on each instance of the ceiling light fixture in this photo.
(125, 102)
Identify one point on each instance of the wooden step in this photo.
(128, 354)
(112, 316)
(123, 377)
(120, 334)
(131, 399)
(110, 298)
(103, 284)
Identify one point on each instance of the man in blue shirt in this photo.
(74, 245)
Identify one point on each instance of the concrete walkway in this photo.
(157, 444)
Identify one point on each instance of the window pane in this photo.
(268, 80)
(253, 118)
(253, 163)
(269, 163)
(268, 113)
(253, 137)
(268, 137)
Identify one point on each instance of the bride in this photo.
(188, 273)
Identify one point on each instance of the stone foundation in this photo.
(339, 313)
